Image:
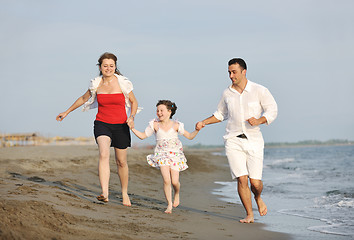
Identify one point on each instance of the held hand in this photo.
(254, 121)
(61, 116)
(199, 126)
(130, 122)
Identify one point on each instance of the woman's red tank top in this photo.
(111, 108)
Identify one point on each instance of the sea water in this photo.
(309, 191)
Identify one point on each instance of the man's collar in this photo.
(247, 88)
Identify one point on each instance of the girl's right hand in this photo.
(61, 116)
(199, 126)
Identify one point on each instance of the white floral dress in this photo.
(168, 150)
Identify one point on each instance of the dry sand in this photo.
(48, 192)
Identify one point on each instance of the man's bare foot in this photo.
(168, 210)
(262, 207)
(126, 200)
(176, 200)
(248, 219)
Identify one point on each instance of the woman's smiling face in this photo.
(108, 67)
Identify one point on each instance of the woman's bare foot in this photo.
(126, 200)
(168, 209)
(248, 219)
(262, 207)
(176, 200)
(102, 198)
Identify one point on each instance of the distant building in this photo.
(19, 139)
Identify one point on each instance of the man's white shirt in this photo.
(255, 101)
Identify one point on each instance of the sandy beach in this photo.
(49, 192)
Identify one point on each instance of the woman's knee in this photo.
(121, 157)
(122, 163)
(104, 155)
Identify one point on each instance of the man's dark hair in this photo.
(238, 61)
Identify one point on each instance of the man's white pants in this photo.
(245, 157)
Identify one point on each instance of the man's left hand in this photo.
(254, 121)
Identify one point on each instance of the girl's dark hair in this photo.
(238, 61)
(170, 106)
(108, 55)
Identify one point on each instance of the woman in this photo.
(112, 93)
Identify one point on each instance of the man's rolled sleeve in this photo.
(221, 112)
(218, 115)
(269, 106)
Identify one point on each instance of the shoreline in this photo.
(49, 192)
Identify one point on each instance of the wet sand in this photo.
(49, 192)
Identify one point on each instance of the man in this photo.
(245, 105)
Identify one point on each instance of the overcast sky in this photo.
(302, 51)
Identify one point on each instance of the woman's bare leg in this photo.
(104, 143)
(123, 173)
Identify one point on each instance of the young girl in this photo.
(168, 154)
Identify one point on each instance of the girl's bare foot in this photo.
(169, 209)
(248, 219)
(126, 200)
(262, 208)
(176, 200)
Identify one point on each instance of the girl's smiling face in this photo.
(163, 113)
